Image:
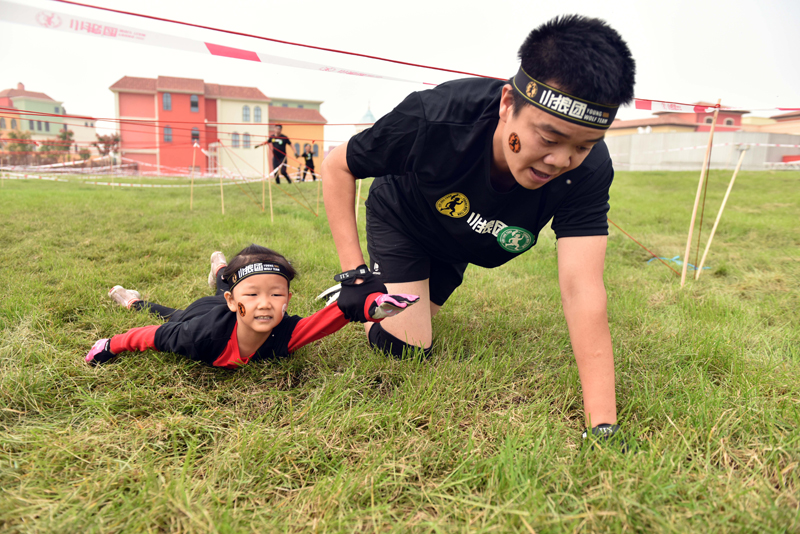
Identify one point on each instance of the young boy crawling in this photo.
(245, 321)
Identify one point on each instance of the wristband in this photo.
(349, 277)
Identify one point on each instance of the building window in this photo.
(166, 99)
(285, 105)
(167, 134)
(86, 124)
(235, 140)
(296, 149)
(195, 103)
(46, 126)
(709, 120)
(245, 113)
(246, 140)
(30, 124)
(2, 123)
(728, 122)
(257, 114)
(316, 150)
(195, 135)
(13, 124)
(39, 125)
(300, 106)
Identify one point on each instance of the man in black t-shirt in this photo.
(471, 171)
(308, 160)
(280, 153)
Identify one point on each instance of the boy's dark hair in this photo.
(279, 126)
(255, 254)
(583, 56)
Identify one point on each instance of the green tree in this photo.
(107, 143)
(21, 147)
(53, 148)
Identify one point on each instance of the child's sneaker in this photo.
(218, 261)
(124, 297)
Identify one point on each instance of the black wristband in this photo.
(602, 431)
(353, 297)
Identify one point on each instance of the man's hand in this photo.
(353, 297)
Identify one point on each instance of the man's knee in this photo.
(384, 341)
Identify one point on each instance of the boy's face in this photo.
(546, 146)
(259, 302)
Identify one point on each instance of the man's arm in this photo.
(339, 194)
(583, 296)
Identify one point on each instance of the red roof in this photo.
(705, 105)
(660, 120)
(282, 114)
(215, 90)
(137, 85)
(171, 84)
(13, 93)
(785, 116)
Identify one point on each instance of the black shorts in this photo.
(396, 258)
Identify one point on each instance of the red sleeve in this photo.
(323, 323)
(135, 339)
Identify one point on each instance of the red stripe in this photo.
(227, 51)
(643, 104)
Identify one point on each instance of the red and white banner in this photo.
(65, 23)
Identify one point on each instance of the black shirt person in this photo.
(280, 146)
(472, 170)
(308, 160)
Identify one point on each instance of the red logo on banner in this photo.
(48, 19)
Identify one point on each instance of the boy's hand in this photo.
(606, 434)
(100, 353)
(390, 305)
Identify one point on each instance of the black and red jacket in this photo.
(206, 332)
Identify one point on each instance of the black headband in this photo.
(563, 105)
(258, 268)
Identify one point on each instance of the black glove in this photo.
(100, 353)
(606, 434)
(353, 296)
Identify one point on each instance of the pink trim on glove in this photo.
(99, 346)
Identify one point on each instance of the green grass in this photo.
(484, 437)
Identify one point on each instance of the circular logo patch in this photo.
(513, 143)
(531, 89)
(453, 205)
(515, 239)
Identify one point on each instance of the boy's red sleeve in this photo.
(323, 323)
(135, 339)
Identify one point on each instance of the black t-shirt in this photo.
(432, 157)
(203, 329)
(280, 146)
(309, 157)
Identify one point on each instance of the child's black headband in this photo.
(563, 105)
(257, 268)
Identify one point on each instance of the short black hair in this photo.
(254, 254)
(583, 56)
(279, 126)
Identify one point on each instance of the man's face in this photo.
(278, 130)
(545, 146)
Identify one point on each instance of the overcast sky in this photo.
(741, 51)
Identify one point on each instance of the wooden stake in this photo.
(719, 215)
(191, 187)
(271, 214)
(706, 162)
(358, 197)
(263, 178)
(221, 194)
(319, 186)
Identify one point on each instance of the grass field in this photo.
(484, 437)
